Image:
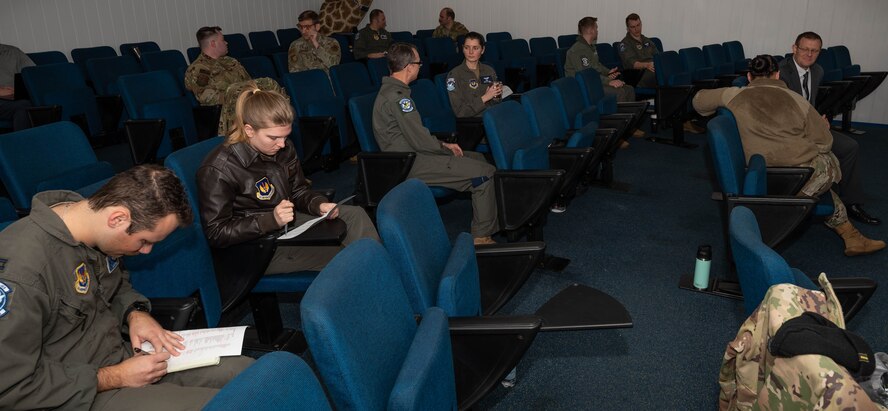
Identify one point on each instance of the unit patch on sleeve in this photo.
(406, 105)
(585, 61)
(451, 84)
(4, 299)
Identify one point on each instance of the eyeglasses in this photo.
(418, 63)
(305, 26)
(808, 51)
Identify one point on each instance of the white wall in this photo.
(764, 26)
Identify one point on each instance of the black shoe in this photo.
(857, 212)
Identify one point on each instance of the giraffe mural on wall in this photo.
(341, 16)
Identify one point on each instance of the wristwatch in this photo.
(136, 306)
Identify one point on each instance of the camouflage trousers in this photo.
(229, 100)
(826, 173)
(751, 378)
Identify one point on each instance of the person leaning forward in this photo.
(65, 300)
(398, 127)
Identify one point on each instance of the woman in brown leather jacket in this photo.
(252, 185)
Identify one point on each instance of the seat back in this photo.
(670, 71)
(758, 266)
(439, 49)
(48, 57)
(435, 115)
(401, 36)
(238, 46)
(498, 36)
(361, 110)
(370, 352)
(658, 43)
(81, 55)
(543, 46)
(286, 37)
(574, 109)
(843, 61)
(126, 49)
(186, 161)
(156, 94)
(259, 66)
(169, 60)
(512, 142)
(831, 69)
(378, 68)
(607, 54)
(192, 53)
(593, 91)
(308, 87)
(264, 41)
(434, 273)
(514, 49)
(735, 54)
(280, 63)
(64, 84)
(565, 41)
(281, 379)
(692, 61)
(717, 58)
(7, 212)
(425, 33)
(544, 112)
(727, 152)
(351, 79)
(53, 156)
(103, 72)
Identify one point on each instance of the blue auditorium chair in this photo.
(401, 36)
(735, 54)
(659, 43)
(265, 42)
(313, 99)
(239, 269)
(48, 57)
(378, 172)
(611, 113)
(522, 69)
(259, 66)
(81, 55)
(607, 55)
(377, 68)
(759, 267)
(286, 37)
(7, 213)
(156, 95)
(281, 64)
(717, 58)
(277, 381)
(351, 80)
(423, 34)
(238, 46)
(103, 72)
(128, 49)
(702, 75)
(498, 36)
(371, 352)
(672, 101)
(849, 69)
(835, 75)
(169, 60)
(543, 48)
(345, 46)
(441, 55)
(55, 156)
(64, 84)
(565, 41)
(193, 53)
(433, 105)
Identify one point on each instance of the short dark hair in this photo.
(633, 16)
(762, 65)
(375, 13)
(399, 55)
(150, 192)
(449, 12)
(206, 32)
(474, 35)
(810, 35)
(586, 22)
(309, 15)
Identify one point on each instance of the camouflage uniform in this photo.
(632, 50)
(458, 29)
(371, 41)
(219, 82)
(583, 56)
(304, 56)
(752, 378)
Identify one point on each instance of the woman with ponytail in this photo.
(787, 131)
(252, 185)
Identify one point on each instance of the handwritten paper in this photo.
(311, 223)
(204, 347)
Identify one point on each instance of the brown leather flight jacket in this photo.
(239, 187)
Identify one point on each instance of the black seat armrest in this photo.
(503, 269)
(493, 324)
(706, 84)
(175, 314)
(853, 293)
(777, 216)
(446, 136)
(523, 195)
(239, 267)
(380, 172)
(40, 115)
(324, 233)
(206, 121)
(787, 180)
(144, 137)
(470, 132)
(316, 132)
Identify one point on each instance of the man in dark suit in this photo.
(802, 74)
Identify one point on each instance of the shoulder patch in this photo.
(406, 105)
(451, 84)
(4, 299)
(622, 47)
(357, 35)
(3, 262)
(585, 61)
(264, 189)
(81, 279)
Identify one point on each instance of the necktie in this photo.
(805, 92)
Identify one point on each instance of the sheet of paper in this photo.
(205, 344)
(311, 223)
(507, 91)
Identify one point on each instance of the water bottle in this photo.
(701, 268)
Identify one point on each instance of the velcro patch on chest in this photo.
(81, 279)
(473, 84)
(264, 189)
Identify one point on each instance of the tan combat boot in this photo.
(855, 242)
(486, 240)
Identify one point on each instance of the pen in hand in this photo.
(140, 351)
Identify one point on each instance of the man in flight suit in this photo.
(65, 300)
(637, 52)
(372, 40)
(398, 127)
(583, 55)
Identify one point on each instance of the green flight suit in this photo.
(632, 50)
(582, 56)
(369, 41)
(465, 88)
(398, 127)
